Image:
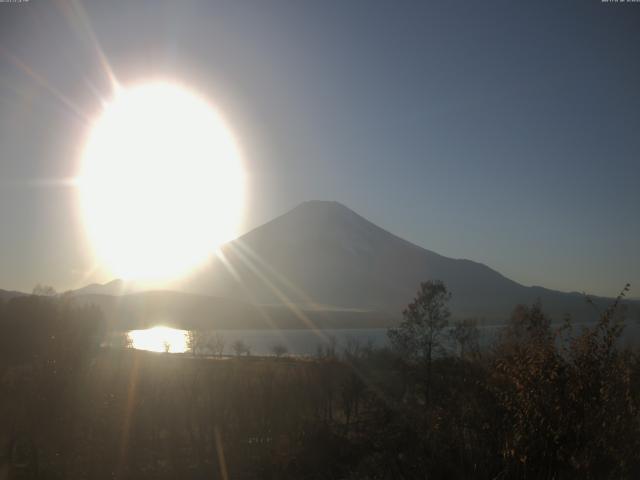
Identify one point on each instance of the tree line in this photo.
(544, 400)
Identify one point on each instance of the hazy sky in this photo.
(504, 132)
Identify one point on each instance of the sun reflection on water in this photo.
(159, 339)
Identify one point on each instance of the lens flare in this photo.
(161, 183)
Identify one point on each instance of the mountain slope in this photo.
(114, 287)
(324, 253)
(9, 294)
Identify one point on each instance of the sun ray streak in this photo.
(89, 273)
(353, 365)
(299, 313)
(281, 278)
(79, 21)
(46, 85)
(128, 414)
(227, 264)
(220, 451)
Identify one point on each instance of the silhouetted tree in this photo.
(279, 350)
(199, 341)
(465, 334)
(217, 344)
(196, 341)
(240, 348)
(121, 340)
(353, 389)
(543, 402)
(44, 290)
(352, 348)
(568, 399)
(327, 350)
(419, 335)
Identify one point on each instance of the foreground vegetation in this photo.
(542, 402)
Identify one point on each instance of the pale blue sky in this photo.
(503, 132)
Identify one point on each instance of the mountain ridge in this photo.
(324, 262)
(337, 257)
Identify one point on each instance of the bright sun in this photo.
(161, 183)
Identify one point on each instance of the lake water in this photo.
(261, 342)
(159, 339)
(303, 342)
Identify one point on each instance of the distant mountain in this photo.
(114, 287)
(9, 294)
(321, 264)
(323, 253)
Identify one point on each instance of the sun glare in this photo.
(161, 183)
(159, 339)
